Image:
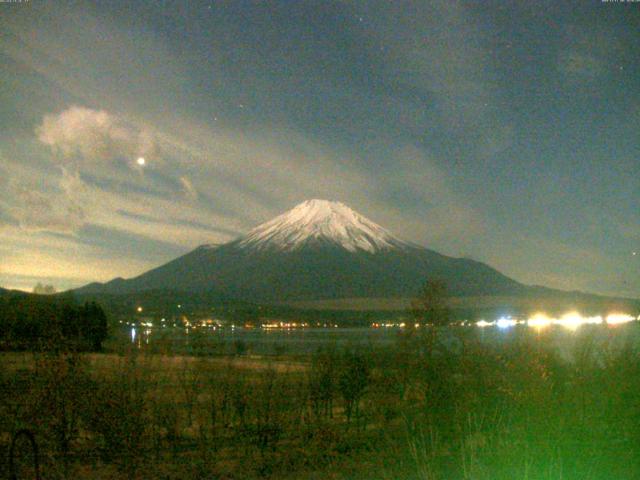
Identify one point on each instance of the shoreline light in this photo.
(506, 322)
(483, 323)
(618, 318)
(571, 321)
(539, 320)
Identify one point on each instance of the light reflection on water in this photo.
(228, 341)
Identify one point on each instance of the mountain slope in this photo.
(317, 250)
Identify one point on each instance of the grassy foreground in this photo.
(416, 410)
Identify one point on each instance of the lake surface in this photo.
(301, 341)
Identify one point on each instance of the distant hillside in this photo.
(318, 250)
(169, 301)
(324, 255)
(490, 306)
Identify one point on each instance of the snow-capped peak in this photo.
(324, 221)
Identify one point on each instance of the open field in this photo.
(412, 410)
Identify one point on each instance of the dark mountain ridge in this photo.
(317, 271)
(319, 250)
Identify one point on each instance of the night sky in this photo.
(507, 132)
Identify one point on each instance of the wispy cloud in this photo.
(410, 113)
(438, 50)
(37, 211)
(589, 55)
(96, 137)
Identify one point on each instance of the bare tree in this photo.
(430, 306)
(352, 383)
(322, 383)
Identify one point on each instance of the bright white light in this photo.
(505, 322)
(569, 320)
(483, 323)
(133, 334)
(593, 320)
(573, 320)
(539, 320)
(618, 318)
(141, 161)
(139, 309)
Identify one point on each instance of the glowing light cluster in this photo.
(506, 322)
(618, 318)
(573, 320)
(284, 325)
(570, 321)
(484, 323)
(539, 320)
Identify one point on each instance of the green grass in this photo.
(511, 410)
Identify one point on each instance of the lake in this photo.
(303, 341)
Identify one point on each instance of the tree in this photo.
(94, 325)
(352, 382)
(431, 307)
(322, 383)
(44, 289)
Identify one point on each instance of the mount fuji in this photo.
(318, 250)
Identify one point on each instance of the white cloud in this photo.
(444, 218)
(68, 261)
(95, 136)
(33, 199)
(437, 48)
(189, 190)
(51, 211)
